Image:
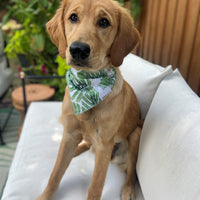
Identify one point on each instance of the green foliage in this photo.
(61, 71)
(62, 66)
(135, 7)
(17, 44)
(32, 39)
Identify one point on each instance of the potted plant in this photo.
(30, 41)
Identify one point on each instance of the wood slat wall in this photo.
(170, 31)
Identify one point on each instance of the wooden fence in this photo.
(170, 32)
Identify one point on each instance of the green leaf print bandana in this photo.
(88, 89)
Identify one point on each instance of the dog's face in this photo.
(92, 34)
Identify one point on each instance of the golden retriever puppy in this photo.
(99, 107)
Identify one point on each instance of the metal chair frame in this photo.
(25, 77)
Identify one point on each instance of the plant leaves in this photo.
(37, 42)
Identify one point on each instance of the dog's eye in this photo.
(73, 18)
(104, 23)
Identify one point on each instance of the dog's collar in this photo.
(88, 89)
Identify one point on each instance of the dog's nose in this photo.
(79, 51)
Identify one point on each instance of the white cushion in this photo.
(169, 156)
(144, 77)
(6, 75)
(35, 157)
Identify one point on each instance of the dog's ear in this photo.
(55, 28)
(126, 39)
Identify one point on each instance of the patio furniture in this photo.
(169, 154)
(6, 77)
(25, 77)
(34, 92)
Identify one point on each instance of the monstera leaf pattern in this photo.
(88, 89)
(105, 82)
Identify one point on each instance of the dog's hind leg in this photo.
(128, 191)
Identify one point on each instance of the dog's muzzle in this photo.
(79, 51)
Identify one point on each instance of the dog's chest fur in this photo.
(97, 132)
(96, 125)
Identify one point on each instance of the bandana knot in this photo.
(88, 89)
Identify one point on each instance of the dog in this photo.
(94, 36)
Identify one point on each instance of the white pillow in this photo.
(144, 77)
(168, 164)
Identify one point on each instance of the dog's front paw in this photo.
(43, 197)
(128, 192)
(40, 198)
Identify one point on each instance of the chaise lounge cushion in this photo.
(35, 157)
